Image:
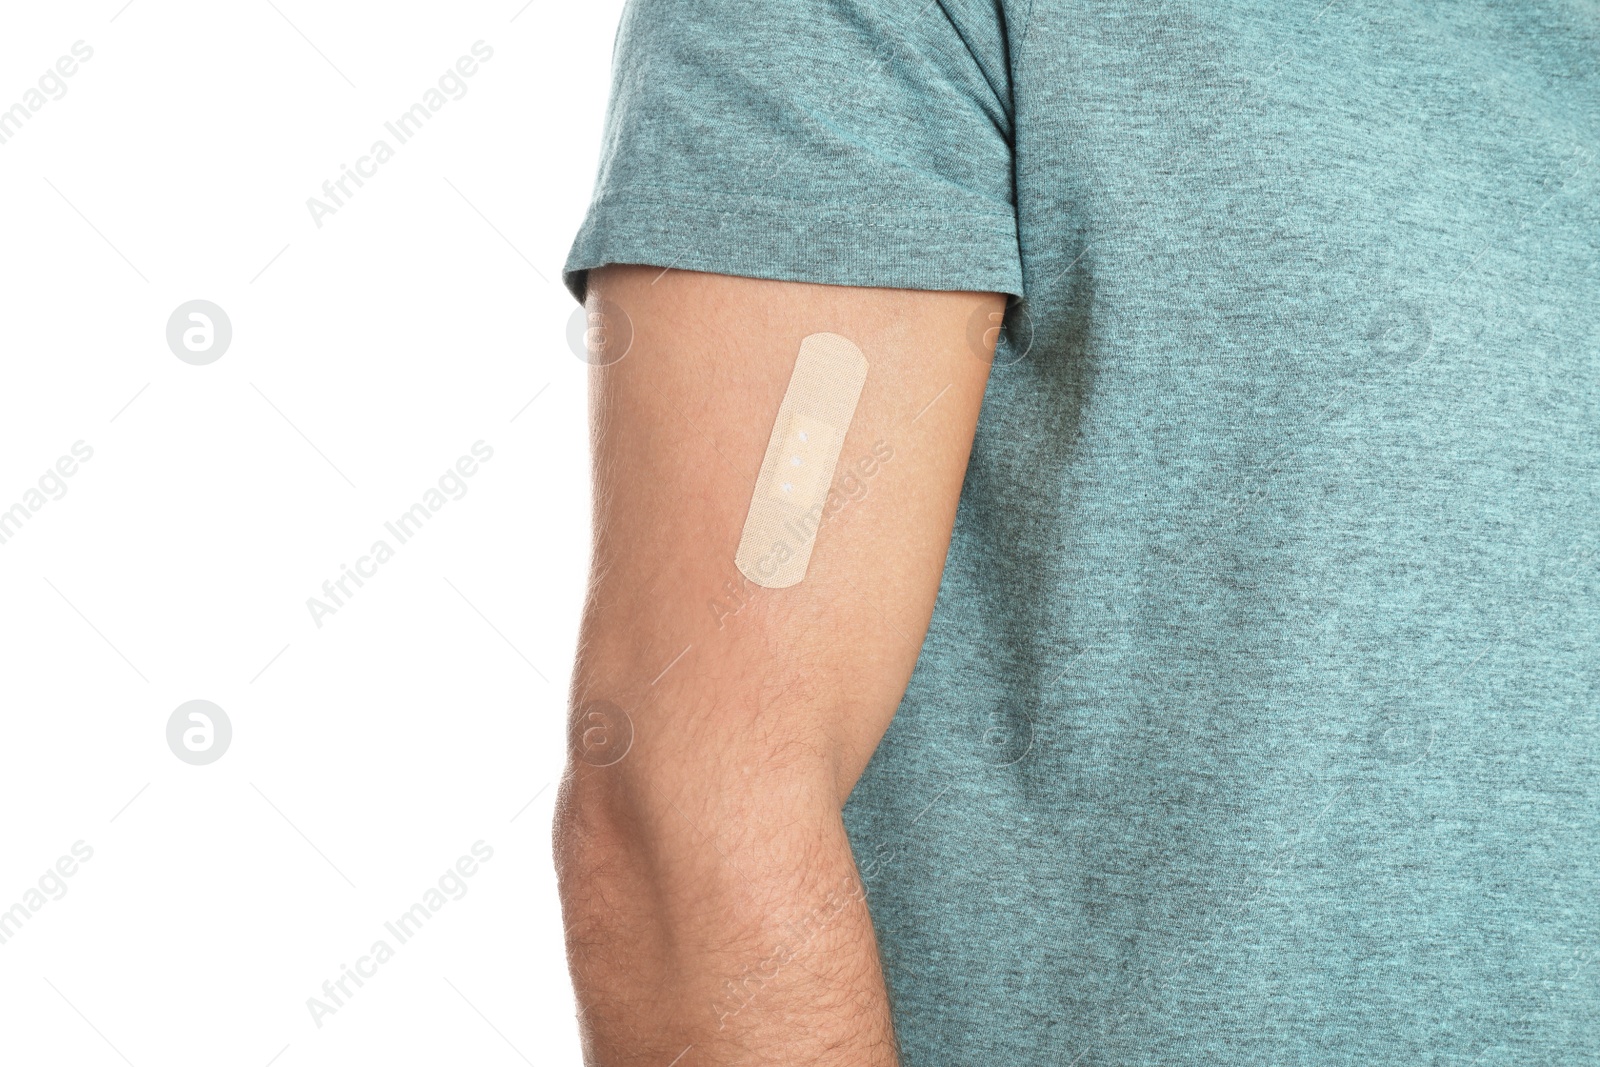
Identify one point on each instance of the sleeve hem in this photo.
(899, 246)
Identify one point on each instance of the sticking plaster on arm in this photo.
(802, 455)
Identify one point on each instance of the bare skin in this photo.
(715, 914)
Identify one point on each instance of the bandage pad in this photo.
(802, 454)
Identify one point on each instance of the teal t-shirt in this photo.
(1259, 719)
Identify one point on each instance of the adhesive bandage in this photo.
(797, 470)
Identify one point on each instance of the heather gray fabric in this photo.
(1257, 724)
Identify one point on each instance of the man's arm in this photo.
(711, 899)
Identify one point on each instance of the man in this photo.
(1249, 718)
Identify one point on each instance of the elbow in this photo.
(672, 814)
(585, 829)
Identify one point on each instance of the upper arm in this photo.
(717, 677)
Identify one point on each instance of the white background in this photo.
(425, 714)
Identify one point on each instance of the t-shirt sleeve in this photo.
(851, 142)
